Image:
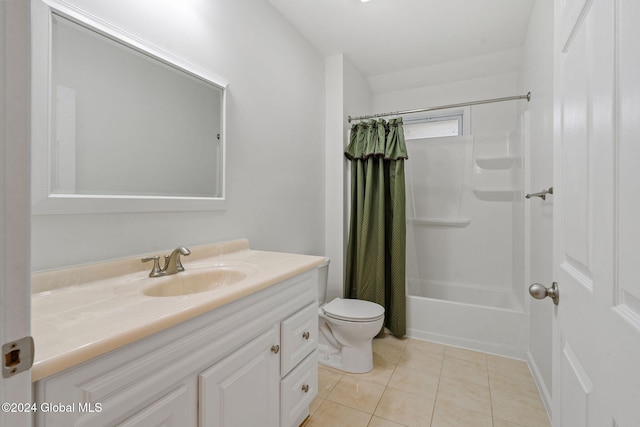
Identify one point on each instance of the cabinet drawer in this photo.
(299, 337)
(297, 390)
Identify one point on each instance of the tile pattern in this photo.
(423, 384)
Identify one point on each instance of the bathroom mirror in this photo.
(120, 126)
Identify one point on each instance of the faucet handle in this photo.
(155, 271)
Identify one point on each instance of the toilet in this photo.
(346, 329)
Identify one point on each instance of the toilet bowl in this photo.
(346, 330)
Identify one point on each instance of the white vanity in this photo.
(242, 354)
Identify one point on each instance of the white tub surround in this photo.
(492, 329)
(466, 239)
(84, 312)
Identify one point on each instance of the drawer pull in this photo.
(275, 349)
(305, 388)
(306, 335)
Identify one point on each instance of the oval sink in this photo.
(196, 281)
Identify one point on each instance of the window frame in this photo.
(462, 115)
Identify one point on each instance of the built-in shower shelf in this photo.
(495, 163)
(440, 222)
(495, 194)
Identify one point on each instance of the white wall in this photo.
(347, 93)
(275, 136)
(536, 75)
(494, 86)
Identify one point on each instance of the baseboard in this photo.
(537, 377)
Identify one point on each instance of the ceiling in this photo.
(407, 38)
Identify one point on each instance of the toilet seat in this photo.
(353, 310)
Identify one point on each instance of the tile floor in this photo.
(424, 384)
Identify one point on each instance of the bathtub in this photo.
(474, 317)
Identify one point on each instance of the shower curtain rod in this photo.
(441, 107)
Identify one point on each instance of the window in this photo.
(433, 127)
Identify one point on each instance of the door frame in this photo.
(15, 274)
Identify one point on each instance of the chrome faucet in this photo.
(172, 263)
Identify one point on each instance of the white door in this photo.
(15, 298)
(596, 361)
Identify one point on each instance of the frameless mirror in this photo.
(125, 126)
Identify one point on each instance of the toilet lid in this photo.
(353, 310)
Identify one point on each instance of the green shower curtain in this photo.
(375, 263)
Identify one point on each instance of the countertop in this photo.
(81, 313)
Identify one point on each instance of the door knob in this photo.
(538, 291)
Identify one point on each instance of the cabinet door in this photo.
(177, 408)
(243, 389)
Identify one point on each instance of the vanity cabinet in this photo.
(250, 362)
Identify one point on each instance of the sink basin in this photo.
(194, 281)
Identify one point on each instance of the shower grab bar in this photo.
(542, 194)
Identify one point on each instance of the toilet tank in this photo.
(323, 276)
